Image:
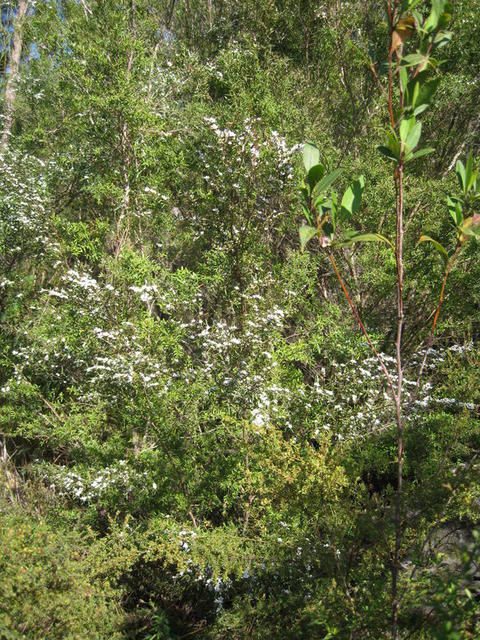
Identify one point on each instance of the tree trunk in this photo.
(14, 67)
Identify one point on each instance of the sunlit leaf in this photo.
(352, 198)
(327, 181)
(414, 59)
(311, 155)
(410, 132)
(419, 154)
(460, 171)
(306, 233)
(455, 210)
(442, 39)
(468, 173)
(438, 247)
(366, 237)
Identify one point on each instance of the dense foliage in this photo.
(196, 439)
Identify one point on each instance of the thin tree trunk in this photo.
(125, 152)
(14, 67)
(398, 402)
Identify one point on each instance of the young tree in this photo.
(409, 93)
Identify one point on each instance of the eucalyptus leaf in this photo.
(420, 109)
(327, 181)
(455, 210)
(387, 152)
(414, 59)
(419, 154)
(315, 174)
(352, 198)
(460, 171)
(306, 233)
(366, 237)
(442, 38)
(468, 173)
(311, 155)
(438, 247)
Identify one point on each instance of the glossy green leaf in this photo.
(306, 233)
(474, 232)
(419, 154)
(327, 181)
(431, 23)
(455, 210)
(315, 174)
(352, 198)
(366, 237)
(420, 109)
(416, 93)
(413, 137)
(420, 92)
(311, 155)
(405, 128)
(410, 132)
(442, 39)
(438, 247)
(307, 214)
(403, 78)
(414, 59)
(468, 173)
(471, 225)
(386, 152)
(460, 171)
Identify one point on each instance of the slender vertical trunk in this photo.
(14, 67)
(398, 399)
(125, 151)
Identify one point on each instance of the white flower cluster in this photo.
(92, 487)
(24, 228)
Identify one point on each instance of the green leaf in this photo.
(422, 92)
(327, 181)
(410, 132)
(471, 226)
(366, 237)
(419, 154)
(403, 78)
(455, 210)
(439, 248)
(431, 23)
(406, 126)
(386, 152)
(468, 173)
(315, 174)
(306, 233)
(352, 198)
(442, 38)
(307, 214)
(311, 155)
(414, 137)
(416, 92)
(414, 59)
(420, 109)
(472, 231)
(460, 171)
